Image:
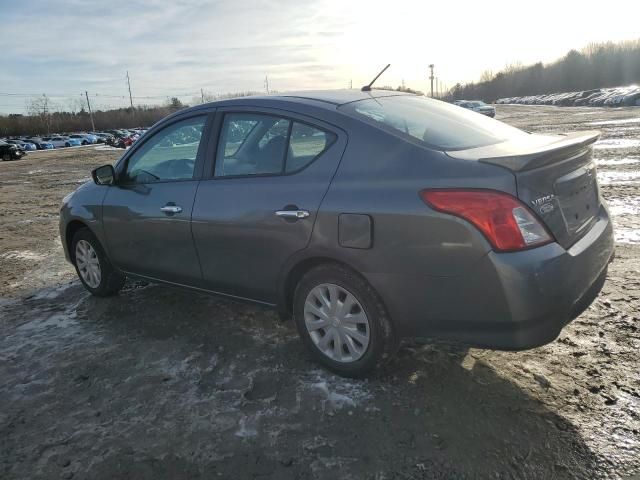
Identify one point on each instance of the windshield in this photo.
(437, 124)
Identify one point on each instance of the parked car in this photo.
(477, 106)
(101, 137)
(10, 151)
(62, 141)
(22, 144)
(84, 138)
(39, 143)
(366, 216)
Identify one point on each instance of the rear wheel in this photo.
(342, 321)
(6, 157)
(92, 265)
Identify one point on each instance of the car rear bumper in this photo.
(508, 301)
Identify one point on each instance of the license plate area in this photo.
(577, 193)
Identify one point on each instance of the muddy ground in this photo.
(163, 383)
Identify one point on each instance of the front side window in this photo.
(437, 124)
(169, 154)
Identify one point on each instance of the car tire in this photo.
(6, 157)
(382, 341)
(88, 257)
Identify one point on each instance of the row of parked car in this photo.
(599, 97)
(118, 138)
(477, 106)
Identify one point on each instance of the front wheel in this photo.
(6, 157)
(92, 265)
(342, 321)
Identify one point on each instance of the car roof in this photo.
(333, 97)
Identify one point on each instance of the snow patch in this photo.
(26, 255)
(51, 293)
(616, 122)
(616, 143)
(624, 206)
(609, 177)
(337, 393)
(627, 235)
(617, 161)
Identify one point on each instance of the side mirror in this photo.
(104, 175)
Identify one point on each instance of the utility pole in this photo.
(350, 84)
(93, 126)
(266, 83)
(45, 112)
(130, 97)
(431, 77)
(202, 95)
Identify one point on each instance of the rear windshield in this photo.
(434, 123)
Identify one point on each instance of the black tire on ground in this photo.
(383, 342)
(111, 280)
(6, 157)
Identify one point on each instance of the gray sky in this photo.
(177, 47)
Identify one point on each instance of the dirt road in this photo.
(163, 383)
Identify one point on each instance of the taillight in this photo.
(505, 221)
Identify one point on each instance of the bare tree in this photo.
(40, 107)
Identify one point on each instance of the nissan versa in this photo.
(366, 215)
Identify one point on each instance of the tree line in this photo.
(44, 118)
(599, 65)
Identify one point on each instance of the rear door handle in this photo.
(292, 214)
(171, 209)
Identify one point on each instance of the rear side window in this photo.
(259, 144)
(305, 144)
(437, 124)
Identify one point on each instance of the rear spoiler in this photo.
(517, 157)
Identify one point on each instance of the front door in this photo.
(271, 173)
(147, 214)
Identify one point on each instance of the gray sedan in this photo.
(365, 216)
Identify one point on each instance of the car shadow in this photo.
(189, 383)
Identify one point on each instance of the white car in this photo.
(60, 141)
(477, 106)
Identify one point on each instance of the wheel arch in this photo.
(72, 227)
(297, 270)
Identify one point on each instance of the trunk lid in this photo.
(555, 177)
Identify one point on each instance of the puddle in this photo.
(616, 122)
(609, 177)
(617, 161)
(616, 143)
(58, 320)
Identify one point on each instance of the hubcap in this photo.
(88, 264)
(336, 322)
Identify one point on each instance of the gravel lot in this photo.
(163, 383)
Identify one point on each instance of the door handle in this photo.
(171, 209)
(292, 214)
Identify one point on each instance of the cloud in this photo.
(173, 47)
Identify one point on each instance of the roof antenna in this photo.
(367, 88)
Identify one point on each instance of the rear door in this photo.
(147, 214)
(271, 171)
